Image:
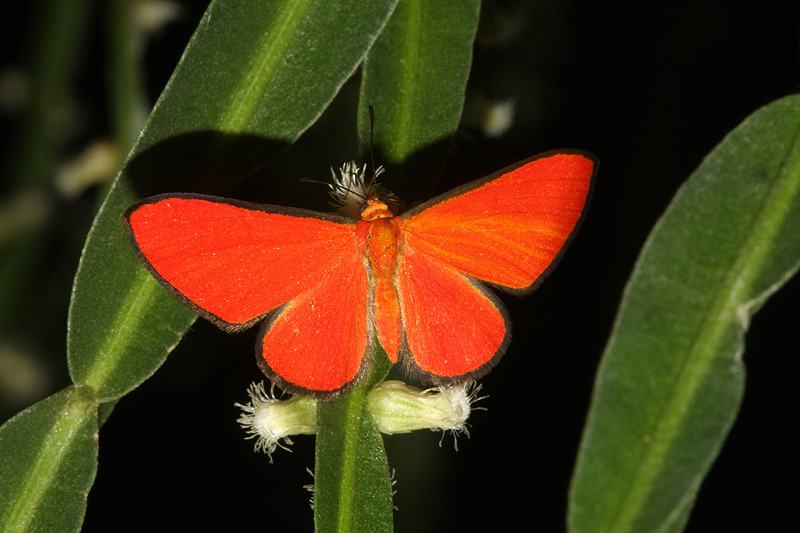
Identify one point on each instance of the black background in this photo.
(650, 88)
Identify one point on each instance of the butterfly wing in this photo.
(452, 326)
(235, 262)
(509, 230)
(321, 341)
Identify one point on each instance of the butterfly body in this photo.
(384, 246)
(327, 286)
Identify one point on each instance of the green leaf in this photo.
(671, 379)
(352, 487)
(415, 77)
(48, 460)
(254, 76)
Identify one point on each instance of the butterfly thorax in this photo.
(375, 209)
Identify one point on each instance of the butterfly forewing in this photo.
(233, 261)
(506, 229)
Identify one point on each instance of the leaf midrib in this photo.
(271, 50)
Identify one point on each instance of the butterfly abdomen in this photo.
(382, 256)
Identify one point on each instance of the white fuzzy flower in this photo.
(399, 408)
(270, 420)
(395, 407)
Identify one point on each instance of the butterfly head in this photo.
(360, 197)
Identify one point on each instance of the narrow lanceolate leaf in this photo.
(254, 76)
(671, 379)
(48, 460)
(415, 77)
(352, 487)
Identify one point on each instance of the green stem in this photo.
(354, 409)
(126, 86)
(352, 489)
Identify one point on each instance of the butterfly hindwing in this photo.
(453, 326)
(321, 341)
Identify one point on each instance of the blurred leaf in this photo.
(264, 69)
(415, 77)
(671, 379)
(56, 40)
(55, 47)
(126, 38)
(48, 460)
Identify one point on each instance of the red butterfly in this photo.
(329, 285)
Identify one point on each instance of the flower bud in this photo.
(400, 408)
(270, 420)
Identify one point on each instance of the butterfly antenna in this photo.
(371, 141)
(335, 185)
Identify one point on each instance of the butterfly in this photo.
(327, 286)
